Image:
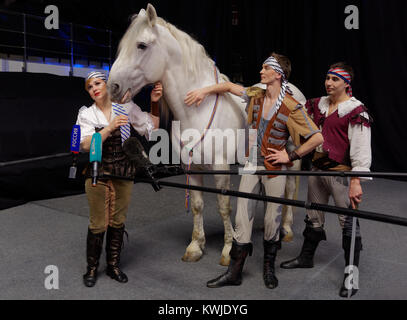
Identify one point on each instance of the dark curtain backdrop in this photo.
(37, 115)
(310, 32)
(38, 112)
(313, 35)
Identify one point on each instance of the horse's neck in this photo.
(174, 92)
(176, 85)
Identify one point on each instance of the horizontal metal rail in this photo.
(8, 46)
(61, 22)
(12, 31)
(295, 203)
(58, 52)
(363, 174)
(57, 38)
(17, 162)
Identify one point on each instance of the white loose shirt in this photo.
(92, 117)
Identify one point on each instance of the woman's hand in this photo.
(106, 132)
(278, 157)
(118, 122)
(355, 193)
(196, 96)
(157, 92)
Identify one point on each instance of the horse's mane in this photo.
(195, 58)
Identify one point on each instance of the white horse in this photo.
(153, 50)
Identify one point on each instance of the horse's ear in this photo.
(151, 15)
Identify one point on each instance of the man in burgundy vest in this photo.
(276, 115)
(345, 126)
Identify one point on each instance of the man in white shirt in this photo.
(345, 126)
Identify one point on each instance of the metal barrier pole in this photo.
(16, 162)
(71, 63)
(401, 221)
(110, 49)
(352, 253)
(24, 69)
(366, 174)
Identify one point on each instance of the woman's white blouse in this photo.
(92, 117)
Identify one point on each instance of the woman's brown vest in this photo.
(114, 160)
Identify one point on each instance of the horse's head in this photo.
(142, 57)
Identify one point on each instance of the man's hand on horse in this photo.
(196, 96)
(157, 92)
(278, 157)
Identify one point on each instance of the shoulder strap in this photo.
(291, 103)
(255, 92)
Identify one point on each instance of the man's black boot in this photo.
(270, 254)
(312, 237)
(233, 277)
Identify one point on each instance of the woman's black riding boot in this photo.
(94, 245)
(114, 243)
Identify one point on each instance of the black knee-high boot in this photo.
(94, 245)
(346, 245)
(114, 243)
(312, 237)
(270, 254)
(233, 277)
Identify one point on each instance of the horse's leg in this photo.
(291, 192)
(195, 249)
(224, 207)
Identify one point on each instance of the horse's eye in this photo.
(142, 46)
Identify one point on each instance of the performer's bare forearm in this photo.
(313, 142)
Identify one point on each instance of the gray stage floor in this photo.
(53, 232)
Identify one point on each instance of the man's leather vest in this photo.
(335, 130)
(277, 133)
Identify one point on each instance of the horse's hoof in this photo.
(191, 257)
(289, 236)
(224, 261)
